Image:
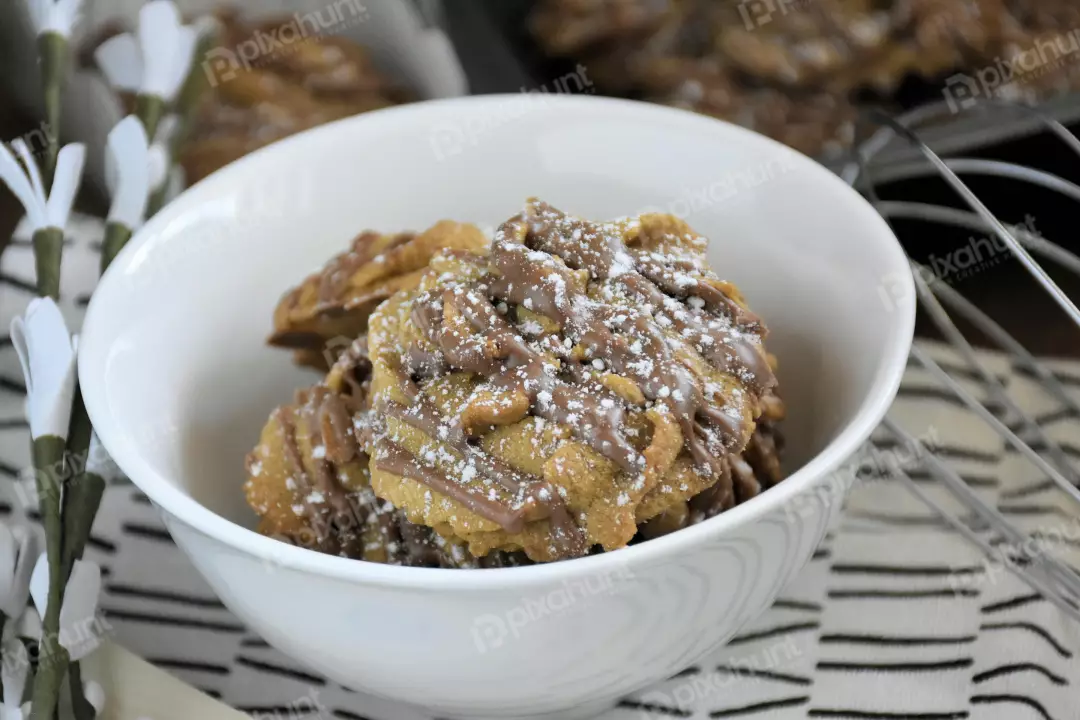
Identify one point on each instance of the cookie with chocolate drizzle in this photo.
(334, 303)
(576, 386)
(575, 381)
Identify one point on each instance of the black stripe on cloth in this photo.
(837, 666)
(927, 521)
(773, 632)
(1049, 418)
(1032, 628)
(902, 570)
(140, 498)
(1072, 451)
(14, 424)
(946, 451)
(99, 543)
(686, 673)
(254, 643)
(17, 283)
(178, 664)
(82, 300)
(1017, 699)
(760, 707)
(872, 594)
(784, 604)
(1061, 377)
(5, 341)
(9, 470)
(349, 715)
(275, 711)
(211, 692)
(925, 476)
(1039, 535)
(821, 554)
(651, 708)
(1035, 511)
(15, 386)
(764, 675)
(5, 508)
(164, 595)
(893, 640)
(1033, 489)
(1017, 668)
(279, 670)
(938, 394)
(150, 532)
(173, 621)
(867, 715)
(1012, 603)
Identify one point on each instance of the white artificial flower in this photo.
(14, 669)
(95, 695)
(78, 631)
(43, 210)
(54, 16)
(156, 60)
(46, 352)
(127, 172)
(19, 550)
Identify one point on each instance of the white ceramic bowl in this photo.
(178, 382)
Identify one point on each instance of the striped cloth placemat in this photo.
(895, 618)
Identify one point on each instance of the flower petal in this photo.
(95, 695)
(14, 668)
(118, 57)
(57, 17)
(69, 167)
(14, 176)
(129, 157)
(160, 43)
(45, 351)
(39, 584)
(32, 171)
(159, 166)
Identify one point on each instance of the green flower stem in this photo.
(48, 453)
(157, 197)
(48, 250)
(149, 109)
(116, 237)
(81, 500)
(80, 706)
(52, 52)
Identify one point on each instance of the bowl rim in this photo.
(185, 509)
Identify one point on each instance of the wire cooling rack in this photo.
(978, 521)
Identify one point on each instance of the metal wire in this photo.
(979, 522)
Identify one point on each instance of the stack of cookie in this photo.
(567, 388)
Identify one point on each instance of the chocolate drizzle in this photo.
(632, 313)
